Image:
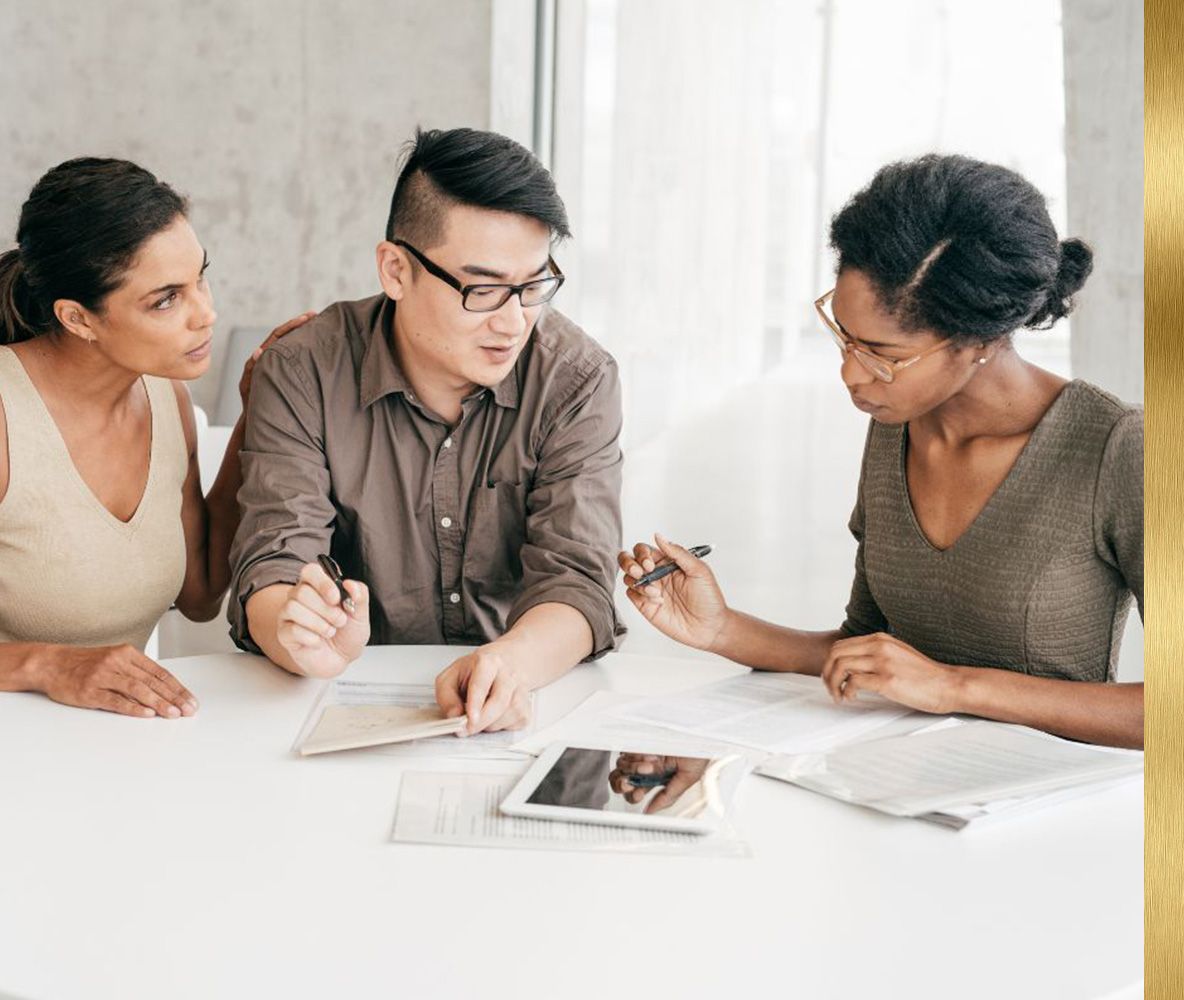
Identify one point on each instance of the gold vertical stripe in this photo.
(1163, 291)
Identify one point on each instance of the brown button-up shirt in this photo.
(458, 530)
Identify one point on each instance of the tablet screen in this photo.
(621, 781)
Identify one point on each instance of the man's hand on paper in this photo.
(317, 632)
(882, 663)
(485, 686)
(687, 605)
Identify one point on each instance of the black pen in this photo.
(650, 780)
(698, 551)
(329, 565)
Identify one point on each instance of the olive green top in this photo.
(1041, 581)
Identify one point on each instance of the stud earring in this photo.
(982, 361)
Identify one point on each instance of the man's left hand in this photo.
(889, 667)
(485, 686)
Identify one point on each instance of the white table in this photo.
(199, 858)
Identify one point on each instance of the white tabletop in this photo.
(200, 858)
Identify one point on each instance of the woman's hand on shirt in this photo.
(687, 605)
(320, 636)
(882, 663)
(116, 679)
(244, 383)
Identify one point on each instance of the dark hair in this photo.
(469, 167)
(960, 247)
(79, 230)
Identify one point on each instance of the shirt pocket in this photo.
(495, 534)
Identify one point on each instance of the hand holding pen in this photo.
(678, 595)
(324, 624)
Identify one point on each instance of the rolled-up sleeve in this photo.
(573, 510)
(287, 516)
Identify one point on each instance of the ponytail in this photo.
(15, 301)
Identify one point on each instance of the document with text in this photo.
(461, 810)
(781, 713)
(953, 768)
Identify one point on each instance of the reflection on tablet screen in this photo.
(607, 780)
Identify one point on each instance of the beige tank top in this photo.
(70, 571)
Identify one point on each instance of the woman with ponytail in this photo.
(105, 313)
(999, 519)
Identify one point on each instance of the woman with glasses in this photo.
(999, 518)
(105, 313)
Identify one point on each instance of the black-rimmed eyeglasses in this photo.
(488, 298)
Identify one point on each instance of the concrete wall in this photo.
(1104, 166)
(280, 119)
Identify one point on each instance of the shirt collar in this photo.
(381, 374)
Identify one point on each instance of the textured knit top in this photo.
(1041, 581)
(71, 572)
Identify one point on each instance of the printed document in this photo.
(950, 767)
(461, 810)
(781, 713)
(594, 724)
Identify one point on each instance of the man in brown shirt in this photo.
(451, 442)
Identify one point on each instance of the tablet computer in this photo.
(627, 788)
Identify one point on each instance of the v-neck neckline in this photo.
(76, 477)
(1016, 470)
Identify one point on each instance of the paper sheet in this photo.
(593, 723)
(950, 768)
(410, 696)
(783, 713)
(461, 810)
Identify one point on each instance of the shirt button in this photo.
(448, 442)
(446, 522)
(454, 598)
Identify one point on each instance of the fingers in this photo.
(681, 781)
(298, 612)
(477, 690)
(137, 690)
(641, 561)
(676, 553)
(501, 692)
(113, 701)
(165, 684)
(317, 580)
(360, 594)
(843, 669)
(448, 695)
(649, 604)
(288, 327)
(516, 716)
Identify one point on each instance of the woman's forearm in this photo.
(1105, 714)
(22, 665)
(762, 645)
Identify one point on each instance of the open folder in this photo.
(347, 727)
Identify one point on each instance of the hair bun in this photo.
(1077, 261)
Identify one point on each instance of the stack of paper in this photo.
(956, 772)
